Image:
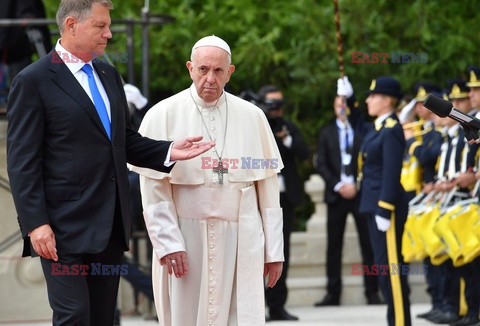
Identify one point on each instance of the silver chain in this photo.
(206, 128)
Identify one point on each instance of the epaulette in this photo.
(390, 123)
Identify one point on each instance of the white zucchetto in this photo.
(212, 40)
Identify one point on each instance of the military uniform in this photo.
(382, 195)
(425, 150)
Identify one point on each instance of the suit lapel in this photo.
(336, 143)
(66, 81)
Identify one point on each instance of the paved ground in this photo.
(309, 316)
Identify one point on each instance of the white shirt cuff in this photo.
(167, 162)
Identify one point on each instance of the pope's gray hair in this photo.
(79, 9)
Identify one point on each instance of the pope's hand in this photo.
(187, 148)
(43, 242)
(274, 271)
(176, 263)
(344, 88)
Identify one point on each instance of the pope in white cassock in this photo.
(216, 228)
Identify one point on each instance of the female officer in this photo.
(382, 197)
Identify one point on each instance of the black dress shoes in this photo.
(428, 314)
(444, 317)
(281, 314)
(328, 300)
(468, 320)
(374, 299)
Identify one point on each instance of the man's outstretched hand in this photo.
(187, 148)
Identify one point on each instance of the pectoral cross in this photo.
(220, 171)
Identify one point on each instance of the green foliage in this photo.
(293, 45)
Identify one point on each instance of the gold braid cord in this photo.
(339, 39)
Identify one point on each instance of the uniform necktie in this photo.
(97, 99)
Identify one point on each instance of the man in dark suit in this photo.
(336, 162)
(292, 148)
(68, 143)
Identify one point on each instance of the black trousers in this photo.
(394, 284)
(276, 297)
(435, 283)
(337, 214)
(86, 300)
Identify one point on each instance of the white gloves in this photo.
(407, 111)
(344, 88)
(134, 96)
(382, 223)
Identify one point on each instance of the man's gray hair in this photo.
(79, 9)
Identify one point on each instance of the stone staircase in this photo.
(307, 274)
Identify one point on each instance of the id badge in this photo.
(346, 159)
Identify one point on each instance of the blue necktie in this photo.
(97, 99)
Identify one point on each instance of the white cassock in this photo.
(228, 230)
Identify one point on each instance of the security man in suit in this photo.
(68, 143)
(382, 196)
(293, 149)
(336, 161)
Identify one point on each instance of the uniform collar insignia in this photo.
(390, 123)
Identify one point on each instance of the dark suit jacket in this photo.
(382, 151)
(299, 150)
(328, 159)
(63, 169)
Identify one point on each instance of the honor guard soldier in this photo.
(425, 147)
(422, 144)
(474, 85)
(382, 197)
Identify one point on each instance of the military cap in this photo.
(474, 76)
(457, 89)
(387, 86)
(423, 89)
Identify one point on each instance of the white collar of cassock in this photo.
(201, 103)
